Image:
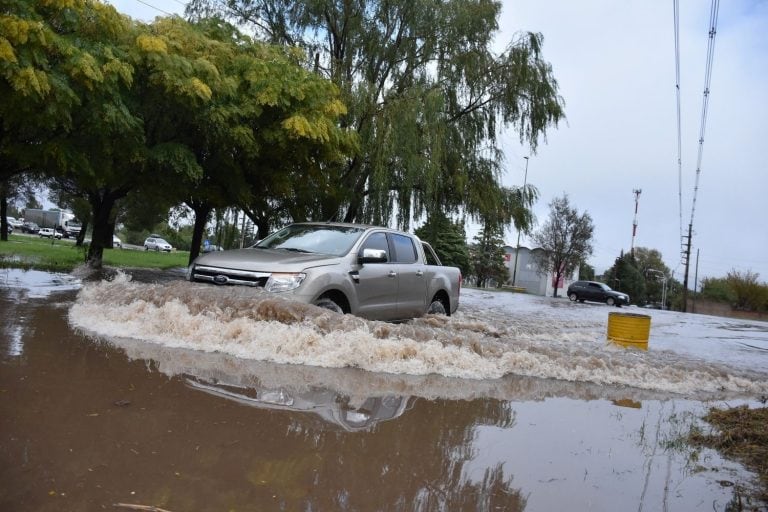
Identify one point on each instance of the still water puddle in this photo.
(191, 397)
(34, 284)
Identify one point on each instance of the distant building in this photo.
(528, 276)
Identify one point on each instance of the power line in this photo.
(705, 104)
(676, 16)
(155, 8)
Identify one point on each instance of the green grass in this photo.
(31, 252)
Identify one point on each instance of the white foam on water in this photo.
(481, 342)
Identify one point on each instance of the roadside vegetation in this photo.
(740, 433)
(279, 120)
(28, 252)
(741, 290)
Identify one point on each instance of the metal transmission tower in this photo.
(637, 193)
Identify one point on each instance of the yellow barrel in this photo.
(629, 328)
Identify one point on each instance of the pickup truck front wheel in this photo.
(436, 308)
(329, 304)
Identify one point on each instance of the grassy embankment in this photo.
(29, 252)
(740, 433)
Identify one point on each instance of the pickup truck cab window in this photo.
(405, 250)
(376, 241)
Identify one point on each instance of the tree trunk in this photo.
(262, 227)
(81, 235)
(3, 213)
(102, 205)
(202, 210)
(558, 275)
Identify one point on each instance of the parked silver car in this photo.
(49, 233)
(157, 244)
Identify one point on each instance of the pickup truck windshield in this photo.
(325, 239)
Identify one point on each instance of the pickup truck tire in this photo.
(329, 304)
(436, 308)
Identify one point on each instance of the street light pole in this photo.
(663, 286)
(517, 249)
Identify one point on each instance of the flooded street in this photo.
(157, 392)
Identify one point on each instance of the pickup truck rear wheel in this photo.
(436, 308)
(329, 304)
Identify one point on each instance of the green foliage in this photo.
(107, 106)
(566, 240)
(742, 290)
(487, 257)
(448, 239)
(650, 264)
(426, 96)
(748, 292)
(624, 276)
(586, 271)
(717, 289)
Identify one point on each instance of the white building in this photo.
(528, 277)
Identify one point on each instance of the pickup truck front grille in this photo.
(218, 275)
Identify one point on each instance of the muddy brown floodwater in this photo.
(94, 423)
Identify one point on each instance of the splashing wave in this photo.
(476, 343)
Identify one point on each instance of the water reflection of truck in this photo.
(60, 220)
(333, 407)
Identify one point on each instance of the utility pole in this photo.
(637, 193)
(686, 262)
(695, 282)
(517, 248)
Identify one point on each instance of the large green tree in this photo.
(487, 256)
(179, 112)
(566, 240)
(626, 276)
(73, 63)
(426, 94)
(263, 133)
(41, 69)
(654, 271)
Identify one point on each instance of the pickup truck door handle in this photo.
(419, 273)
(392, 273)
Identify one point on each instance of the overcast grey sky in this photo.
(614, 61)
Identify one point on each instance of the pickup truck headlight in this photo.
(284, 282)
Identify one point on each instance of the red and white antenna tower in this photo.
(637, 193)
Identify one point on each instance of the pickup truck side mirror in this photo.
(372, 256)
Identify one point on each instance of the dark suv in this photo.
(596, 292)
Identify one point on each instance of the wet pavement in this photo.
(147, 392)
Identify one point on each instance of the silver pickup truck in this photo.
(373, 272)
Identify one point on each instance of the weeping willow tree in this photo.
(426, 95)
